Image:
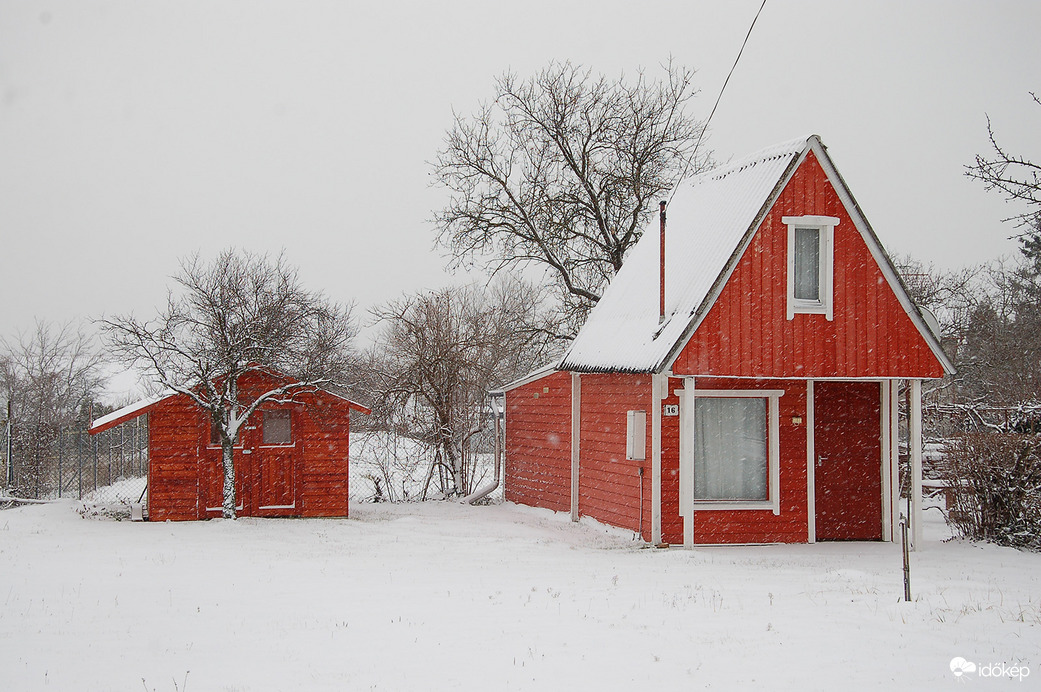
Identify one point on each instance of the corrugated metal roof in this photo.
(708, 218)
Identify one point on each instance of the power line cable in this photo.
(704, 129)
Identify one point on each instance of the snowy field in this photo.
(440, 596)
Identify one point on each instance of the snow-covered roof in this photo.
(126, 413)
(713, 218)
(714, 212)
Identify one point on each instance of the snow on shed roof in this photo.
(126, 413)
(713, 213)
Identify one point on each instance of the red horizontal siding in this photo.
(181, 480)
(746, 333)
(609, 484)
(537, 454)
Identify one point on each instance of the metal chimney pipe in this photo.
(661, 301)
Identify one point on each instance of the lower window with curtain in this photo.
(731, 449)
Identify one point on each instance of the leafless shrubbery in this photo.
(431, 369)
(995, 482)
(50, 376)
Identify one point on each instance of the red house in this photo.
(291, 460)
(740, 379)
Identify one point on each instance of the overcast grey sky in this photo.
(133, 133)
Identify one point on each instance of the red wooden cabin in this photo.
(739, 381)
(291, 459)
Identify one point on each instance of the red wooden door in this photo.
(276, 465)
(848, 471)
(211, 474)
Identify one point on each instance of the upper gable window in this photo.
(811, 249)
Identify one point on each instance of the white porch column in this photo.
(915, 447)
(811, 468)
(659, 392)
(687, 460)
(576, 439)
(894, 457)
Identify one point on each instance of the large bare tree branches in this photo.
(240, 314)
(562, 171)
(1015, 176)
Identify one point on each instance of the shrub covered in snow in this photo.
(995, 487)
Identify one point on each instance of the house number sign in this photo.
(672, 409)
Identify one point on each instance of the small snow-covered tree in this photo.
(241, 315)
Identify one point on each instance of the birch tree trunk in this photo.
(228, 465)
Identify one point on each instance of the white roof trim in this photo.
(529, 378)
(128, 410)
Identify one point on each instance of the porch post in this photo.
(915, 445)
(894, 456)
(659, 392)
(811, 458)
(576, 439)
(687, 460)
(887, 462)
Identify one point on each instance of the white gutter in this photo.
(487, 490)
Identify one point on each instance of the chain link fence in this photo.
(110, 467)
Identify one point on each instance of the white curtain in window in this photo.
(807, 263)
(730, 449)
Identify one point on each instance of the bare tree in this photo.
(240, 315)
(563, 171)
(438, 356)
(50, 376)
(1018, 178)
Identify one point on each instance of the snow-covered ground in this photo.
(439, 596)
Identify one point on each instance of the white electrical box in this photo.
(636, 435)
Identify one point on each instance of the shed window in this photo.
(731, 449)
(278, 428)
(810, 264)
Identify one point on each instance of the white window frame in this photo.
(773, 501)
(825, 226)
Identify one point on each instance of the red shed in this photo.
(291, 460)
(739, 382)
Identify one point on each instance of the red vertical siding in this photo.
(537, 464)
(671, 521)
(746, 333)
(763, 526)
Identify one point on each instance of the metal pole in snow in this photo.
(907, 561)
(10, 460)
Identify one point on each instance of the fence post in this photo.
(61, 448)
(96, 442)
(10, 458)
(79, 462)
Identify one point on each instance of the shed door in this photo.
(211, 474)
(276, 462)
(848, 472)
